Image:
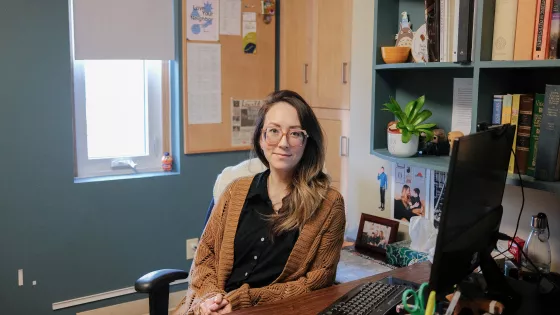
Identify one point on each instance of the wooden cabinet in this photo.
(315, 40)
(295, 42)
(333, 38)
(336, 127)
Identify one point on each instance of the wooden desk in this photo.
(314, 302)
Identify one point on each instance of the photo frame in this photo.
(374, 233)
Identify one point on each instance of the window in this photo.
(118, 116)
(122, 52)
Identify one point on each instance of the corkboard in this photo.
(244, 76)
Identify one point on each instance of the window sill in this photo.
(79, 180)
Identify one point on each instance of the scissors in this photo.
(419, 307)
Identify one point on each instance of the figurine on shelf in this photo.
(437, 146)
(451, 136)
(405, 36)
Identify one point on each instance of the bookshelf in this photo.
(407, 81)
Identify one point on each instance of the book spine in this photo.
(525, 30)
(443, 31)
(456, 10)
(535, 131)
(514, 120)
(497, 109)
(432, 29)
(523, 133)
(506, 109)
(464, 42)
(473, 44)
(546, 168)
(542, 27)
(554, 31)
(505, 19)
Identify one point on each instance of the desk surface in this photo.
(314, 302)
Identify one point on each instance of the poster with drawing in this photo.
(410, 192)
(203, 18)
(438, 180)
(243, 116)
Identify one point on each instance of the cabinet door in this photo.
(333, 162)
(295, 47)
(335, 125)
(333, 34)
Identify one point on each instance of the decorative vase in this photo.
(398, 148)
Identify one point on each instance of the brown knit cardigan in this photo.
(310, 266)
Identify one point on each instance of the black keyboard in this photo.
(378, 297)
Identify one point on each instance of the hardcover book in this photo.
(535, 131)
(432, 28)
(523, 133)
(547, 167)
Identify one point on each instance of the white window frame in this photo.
(157, 83)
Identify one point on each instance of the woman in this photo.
(276, 234)
(401, 208)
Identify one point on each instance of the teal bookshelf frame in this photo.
(407, 81)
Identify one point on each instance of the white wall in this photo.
(363, 187)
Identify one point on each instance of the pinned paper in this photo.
(230, 17)
(250, 16)
(203, 18)
(250, 32)
(204, 85)
(243, 116)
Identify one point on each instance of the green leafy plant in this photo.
(410, 121)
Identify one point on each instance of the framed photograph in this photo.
(375, 233)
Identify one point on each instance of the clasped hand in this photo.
(216, 305)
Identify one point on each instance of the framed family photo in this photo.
(374, 233)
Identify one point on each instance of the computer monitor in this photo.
(472, 209)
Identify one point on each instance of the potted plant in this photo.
(403, 134)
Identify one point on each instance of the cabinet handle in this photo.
(305, 73)
(346, 144)
(344, 66)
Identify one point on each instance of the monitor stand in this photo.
(498, 287)
(518, 297)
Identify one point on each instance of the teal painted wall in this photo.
(76, 239)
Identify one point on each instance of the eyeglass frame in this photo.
(306, 136)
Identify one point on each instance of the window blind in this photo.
(123, 29)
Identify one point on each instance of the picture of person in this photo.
(375, 234)
(382, 178)
(415, 203)
(245, 120)
(409, 201)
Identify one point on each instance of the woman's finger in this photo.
(215, 307)
(207, 307)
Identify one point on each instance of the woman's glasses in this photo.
(295, 137)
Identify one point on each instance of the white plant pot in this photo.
(398, 148)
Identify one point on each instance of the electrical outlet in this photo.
(191, 247)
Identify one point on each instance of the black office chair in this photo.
(156, 283)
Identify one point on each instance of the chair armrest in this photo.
(158, 278)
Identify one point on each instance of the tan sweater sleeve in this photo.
(204, 280)
(321, 274)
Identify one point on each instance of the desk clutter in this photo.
(354, 265)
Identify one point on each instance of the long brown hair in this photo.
(405, 198)
(310, 184)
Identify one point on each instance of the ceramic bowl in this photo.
(392, 54)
